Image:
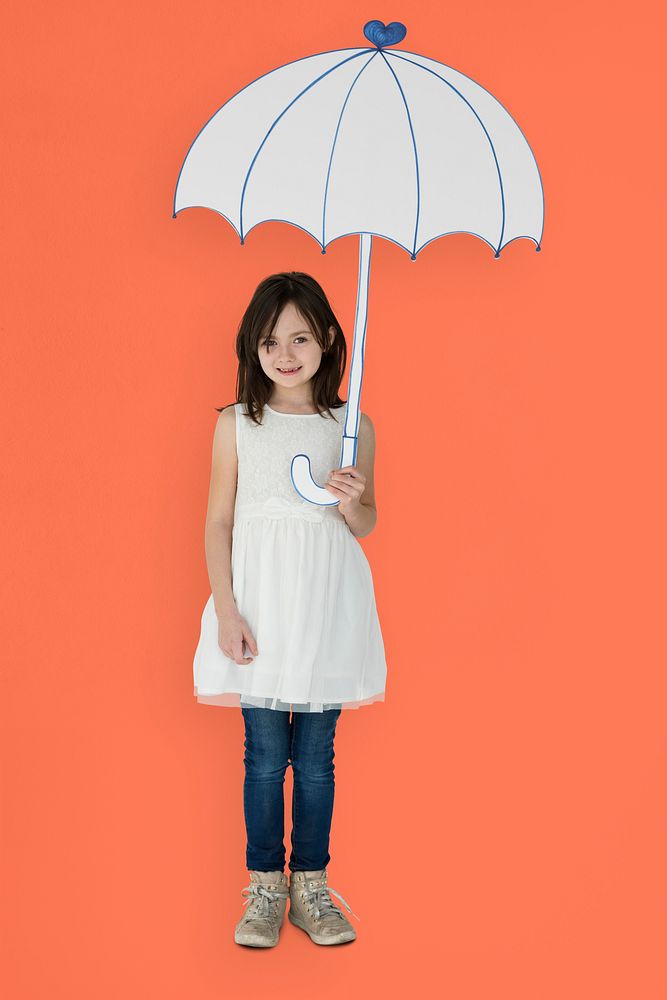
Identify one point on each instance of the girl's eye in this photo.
(267, 343)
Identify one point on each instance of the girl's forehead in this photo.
(291, 324)
(291, 330)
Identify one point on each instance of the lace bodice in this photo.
(265, 455)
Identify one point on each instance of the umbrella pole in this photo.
(349, 447)
(300, 473)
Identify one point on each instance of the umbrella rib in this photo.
(414, 146)
(463, 98)
(356, 55)
(333, 145)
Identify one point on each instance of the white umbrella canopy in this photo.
(369, 142)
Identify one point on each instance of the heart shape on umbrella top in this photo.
(379, 34)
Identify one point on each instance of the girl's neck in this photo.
(288, 405)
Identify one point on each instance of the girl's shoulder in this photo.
(226, 427)
(366, 427)
(227, 413)
(224, 435)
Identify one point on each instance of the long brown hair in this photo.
(253, 386)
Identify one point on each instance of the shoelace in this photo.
(323, 903)
(260, 899)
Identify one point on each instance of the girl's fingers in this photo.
(236, 651)
(250, 642)
(350, 471)
(349, 491)
(345, 482)
(334, 489)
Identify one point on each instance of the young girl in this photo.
(292, 584)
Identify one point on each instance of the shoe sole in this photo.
(257, 942)
(343, 938)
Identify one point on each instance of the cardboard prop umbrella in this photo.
(369, 142)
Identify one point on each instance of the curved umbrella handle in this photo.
(300, 472)
(302, 477)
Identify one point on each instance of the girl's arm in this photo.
(220, 513)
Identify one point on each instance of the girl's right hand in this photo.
(233, 629)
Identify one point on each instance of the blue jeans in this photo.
(272, 740)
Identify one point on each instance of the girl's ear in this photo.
(332, 335)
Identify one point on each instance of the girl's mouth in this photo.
(289, 371)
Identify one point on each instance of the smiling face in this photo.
(290, 346)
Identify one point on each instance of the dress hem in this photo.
(232, 699)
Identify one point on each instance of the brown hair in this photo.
(253, 386)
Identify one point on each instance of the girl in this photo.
(291, 583)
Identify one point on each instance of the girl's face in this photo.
(291, 345)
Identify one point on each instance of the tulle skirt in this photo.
(303, 584)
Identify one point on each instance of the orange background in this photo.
(500, 820)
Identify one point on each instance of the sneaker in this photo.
(266, 900)
(313, 910)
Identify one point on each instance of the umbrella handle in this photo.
(300, 471)
(302, 477)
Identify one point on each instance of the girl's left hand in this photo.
(348, 484)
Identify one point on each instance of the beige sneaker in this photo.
(267, 895)
(313, 910)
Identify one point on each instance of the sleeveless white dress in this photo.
(300, 578)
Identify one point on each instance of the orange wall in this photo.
(499, 823)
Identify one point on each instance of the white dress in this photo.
(300, 578)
